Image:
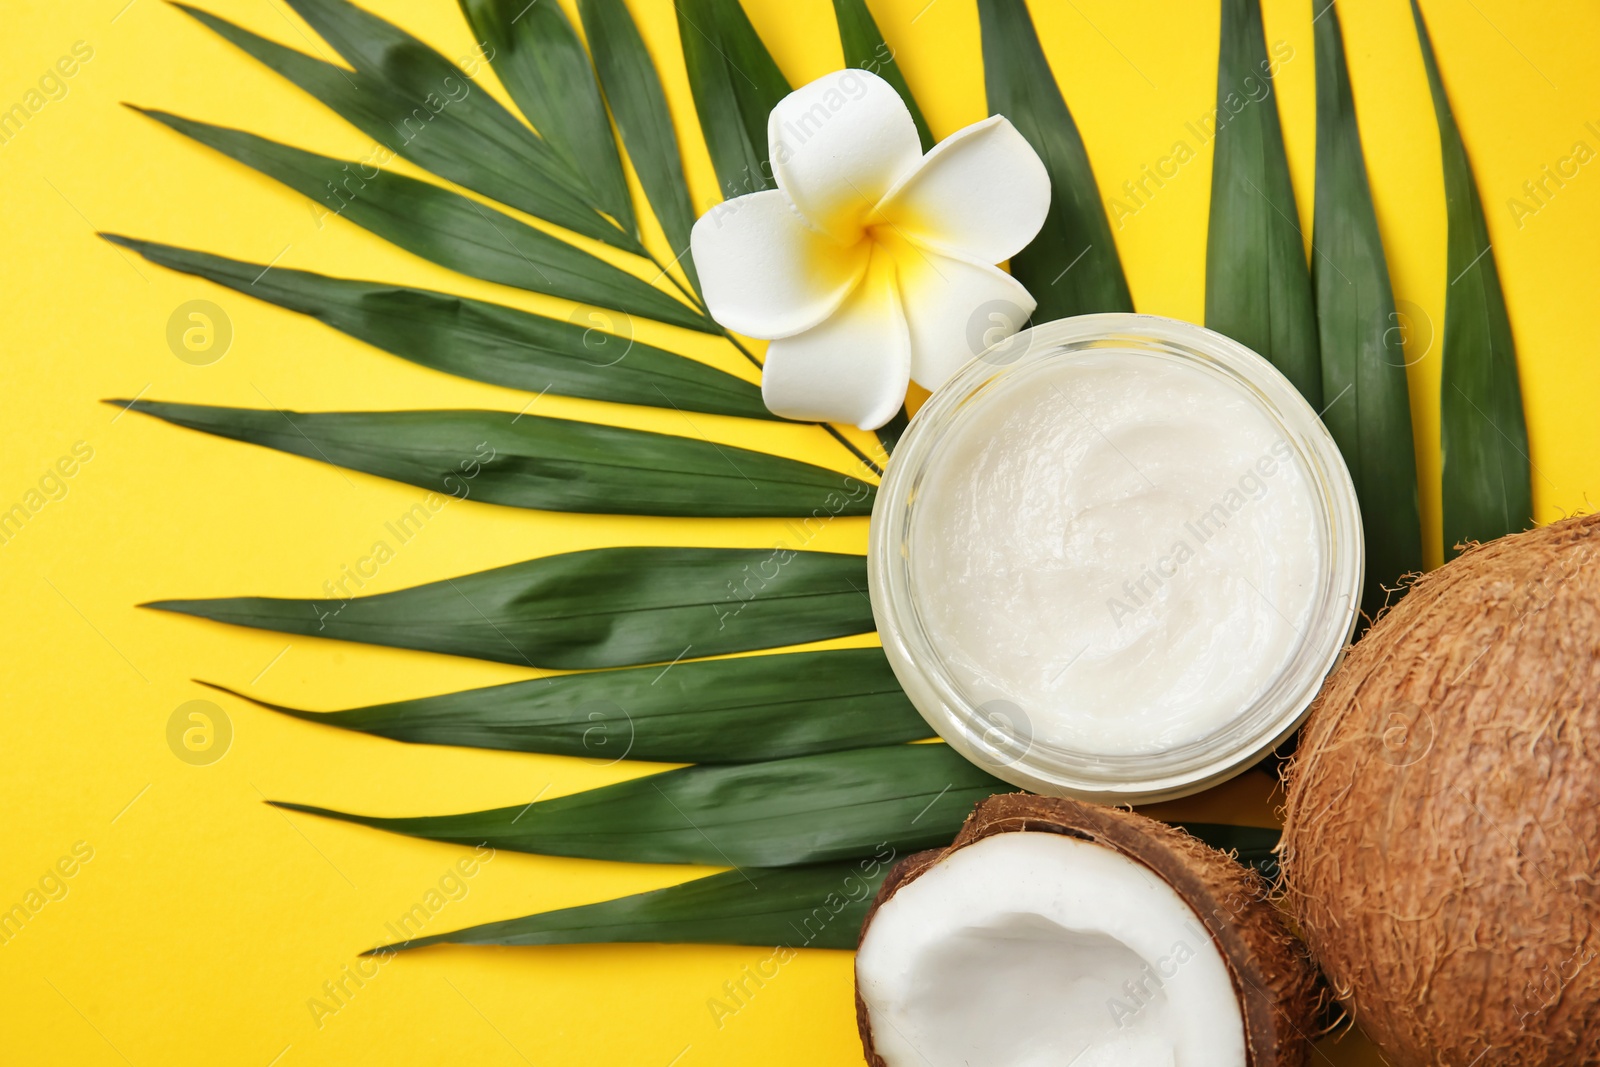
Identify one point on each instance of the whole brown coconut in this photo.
(1442, 846)
(1280, 995)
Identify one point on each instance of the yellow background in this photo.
(206, 921)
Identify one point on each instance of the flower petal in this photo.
(838, 144)
(957, 309)
(853, 368)
(981, 193)
(765, 273)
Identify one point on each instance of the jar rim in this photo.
(1181, 769)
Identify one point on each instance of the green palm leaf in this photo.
(1072, 267)
(415, 103)
(1363, 363)
(606, 607)
(864, 47)
(479, 340)
(1482, 430)
(821, 906)
(707, 711)
(445, 227)
(808, 809)
(639, 106)
(542, 64)
(831, 782)
(529, 461)
(736, 85)
(793, 907)
(889, 433)
(1258, 289)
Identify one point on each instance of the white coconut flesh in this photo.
(1034, 949)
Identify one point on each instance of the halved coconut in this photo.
(1054, 932)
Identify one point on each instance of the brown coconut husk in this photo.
(1442, 845)
(1279, 994)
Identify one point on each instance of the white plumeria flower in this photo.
(871, 265)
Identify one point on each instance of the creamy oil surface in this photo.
(1122, 546)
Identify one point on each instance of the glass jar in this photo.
(997, 740)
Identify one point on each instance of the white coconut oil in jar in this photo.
(1115, 558)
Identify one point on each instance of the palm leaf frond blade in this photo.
(606, 607)
(415, 103)
(477, 339)
(865, 48)
(738, 710)
(736, 84)
(1258, 287)
(529, 461)
(1483, 431)
(1368, 409)
(821, 906)
(445, 227)
(1072, 267)
(808, 809)
(544, 67)
(639, 106)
